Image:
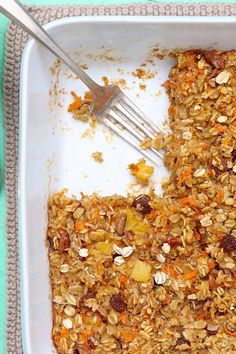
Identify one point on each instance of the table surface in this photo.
(3, 27)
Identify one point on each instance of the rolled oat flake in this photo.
(127, 251)
(161, 258)
(119, 260)
(165, 247)
(160, 278)
(83, 252)
(223, 77)
(67, 323)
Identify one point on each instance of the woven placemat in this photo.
(15, 40)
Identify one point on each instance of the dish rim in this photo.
(21, 196)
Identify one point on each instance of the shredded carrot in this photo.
(76, 104)
(57, 339)
(79, 226)
(94, 202)
(169, 270)
(211, 264)
(170, 84)
(234, 111)
(173, 209)
(122, 278)
(191, 275)
(205, 147)
(128, 335)
(184, 175)
(220, 128)
(96, 214)
(84, 337)
(171, 111)
(197, 236)
(219, 235)
(74, 95)
(219, 196)
(191, 201)
(226, 140)
(84, 316)
(124, 317)
(233, 334)
(202, 316)
(152, 215)
(189, 77)
(167, 299)
(64, 332)
(179, 142)
(203, 254)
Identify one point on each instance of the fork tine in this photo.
(141, 117)
(127, 138)
(122, 119)
(121, 110)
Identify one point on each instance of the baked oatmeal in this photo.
(153, 274)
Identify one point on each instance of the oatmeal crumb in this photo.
(142, 86)
(105, 80)
(97, 156)
(143, 74)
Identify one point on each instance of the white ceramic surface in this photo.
(52, 153)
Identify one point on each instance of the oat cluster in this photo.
(152, 274)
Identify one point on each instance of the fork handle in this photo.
(18, 14)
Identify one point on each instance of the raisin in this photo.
(174, 241)
(64, 240)
(91, 342)
(181, 340)
(120, 225)
(218, 172)
(51, 244)
(225, 165)
(117, 303)
(214, 59)
(204, 240)
(90, 294)
(228, 243)
(141, 203)
(211, 76)
(81, 349)
(233, 154)
(107, 264)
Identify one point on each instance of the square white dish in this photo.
(52, 153)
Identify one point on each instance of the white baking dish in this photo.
(52, 153)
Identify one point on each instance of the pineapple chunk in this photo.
(132, 220)
(141, 171)
(135, 222)
(141, 271)
(104, 247)
(141, 228)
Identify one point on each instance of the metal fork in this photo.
(110, 104)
